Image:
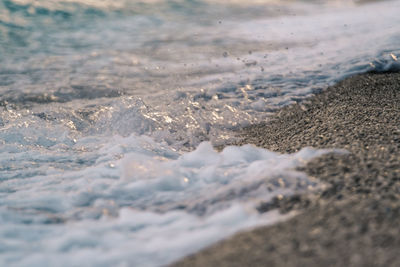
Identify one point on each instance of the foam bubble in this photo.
(141, 203)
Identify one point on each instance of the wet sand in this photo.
(356, 220)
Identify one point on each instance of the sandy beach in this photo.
(355, 221)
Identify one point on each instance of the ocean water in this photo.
(109, 111)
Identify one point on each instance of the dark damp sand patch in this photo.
(356, 221)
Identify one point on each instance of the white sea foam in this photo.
(138, 203)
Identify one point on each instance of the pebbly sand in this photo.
(356, 221)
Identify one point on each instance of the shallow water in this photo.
(101, 103)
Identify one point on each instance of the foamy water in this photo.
(137, 203)
(105, 107)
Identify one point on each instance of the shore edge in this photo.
(355, 221)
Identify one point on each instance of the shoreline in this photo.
(354, 222)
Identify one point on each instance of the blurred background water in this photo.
(100, 102)
(201, 66)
